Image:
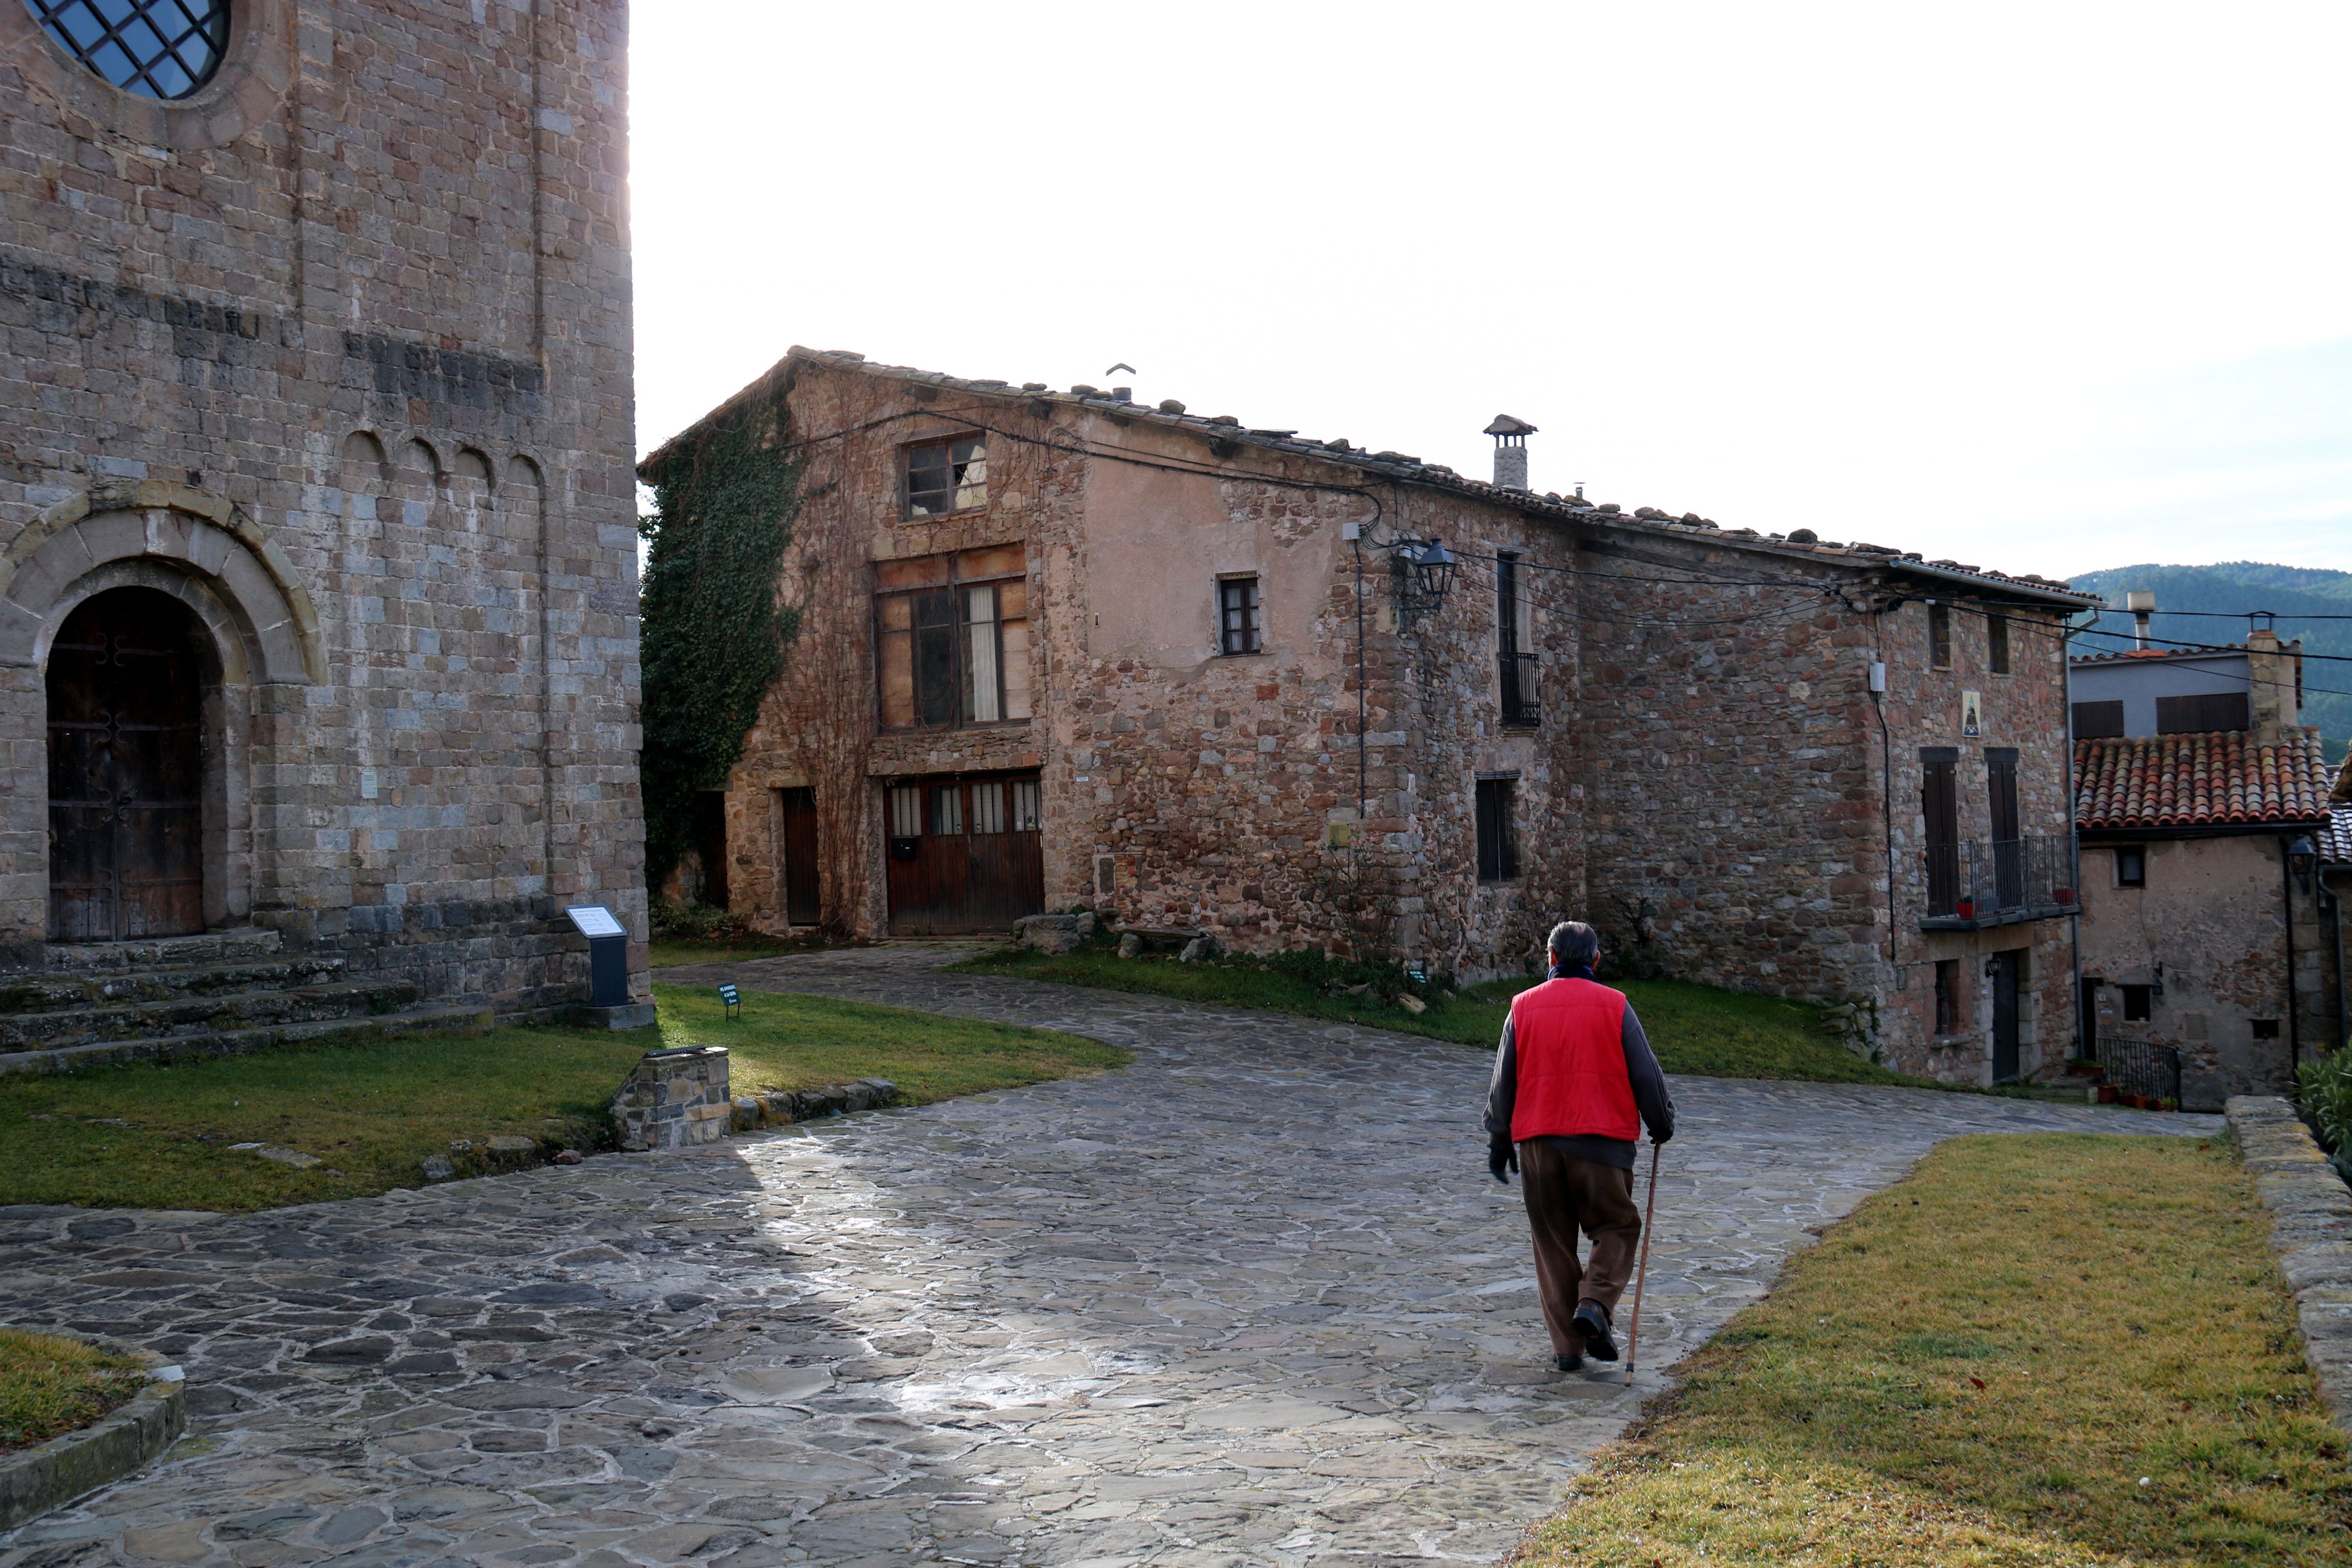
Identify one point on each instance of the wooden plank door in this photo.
(126, 770)
(798, 809)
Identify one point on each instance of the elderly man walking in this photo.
(1574, 1083)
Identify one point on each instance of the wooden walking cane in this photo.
(1641, 1273)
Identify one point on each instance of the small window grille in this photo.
(906, 811)
(944, 477)
(1948, 997)
(947, 810)
(1997, 643)
(988, 806)
(156, 48)
(1237, 616)
(1498, 851)
(1939, 636)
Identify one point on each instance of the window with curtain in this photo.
(952, 640)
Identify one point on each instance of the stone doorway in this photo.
(126, 688)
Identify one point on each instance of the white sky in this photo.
(2041, 287)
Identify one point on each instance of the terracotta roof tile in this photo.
(2210, 779)
(2336, 838)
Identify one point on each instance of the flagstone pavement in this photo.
(1251, 1301)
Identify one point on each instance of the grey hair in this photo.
(1573, 942)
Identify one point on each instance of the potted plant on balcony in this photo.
(1966, 909)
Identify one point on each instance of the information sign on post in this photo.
(608, 954)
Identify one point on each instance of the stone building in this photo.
(1059, 648)
(317, 555)
(2203, 813)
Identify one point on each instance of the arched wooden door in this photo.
(126, 770)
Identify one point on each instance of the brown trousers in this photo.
(1566, 1195)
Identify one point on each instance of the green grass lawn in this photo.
(153, 1137)
(1693, 1029)
(2037, 1350)
(50, 1385)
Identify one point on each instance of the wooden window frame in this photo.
(1252, 632)
(907, 512)
(956, 586)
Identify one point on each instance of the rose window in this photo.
(157, 48)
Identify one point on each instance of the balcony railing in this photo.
(1519, 706)
(1997, 881)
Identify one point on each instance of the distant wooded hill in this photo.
(2236, 587)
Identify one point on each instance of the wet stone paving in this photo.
(1253, 1301)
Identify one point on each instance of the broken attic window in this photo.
(944, 477)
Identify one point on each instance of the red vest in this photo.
(1571, 1043)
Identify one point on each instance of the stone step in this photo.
(190, 1016)
(448, 1015)
(243, 943)
(57, 991)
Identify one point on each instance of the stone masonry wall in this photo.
(370, 291)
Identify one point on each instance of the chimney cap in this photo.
(1507, 425)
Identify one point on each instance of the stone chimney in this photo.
(1510, 451)
(2277, 688)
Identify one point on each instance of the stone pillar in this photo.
(672, 1099)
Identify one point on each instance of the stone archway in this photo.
(248, 631)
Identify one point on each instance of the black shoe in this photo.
(1571, 1362)
(1593, 1318)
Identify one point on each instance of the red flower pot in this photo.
(1966, 909)
(2106, 1094)
(2062, 895)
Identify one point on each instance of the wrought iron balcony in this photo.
(1998, 881)
(1520, 708)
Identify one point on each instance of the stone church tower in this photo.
(317, 607)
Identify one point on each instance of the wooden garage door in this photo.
(964, 855)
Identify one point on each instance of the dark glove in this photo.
(1502, 1154)
(1658, 1137)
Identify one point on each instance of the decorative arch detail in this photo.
(203, 535)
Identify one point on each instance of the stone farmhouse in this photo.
(318, 638)
(1059, 648)
(2203, 810)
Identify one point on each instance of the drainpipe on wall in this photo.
(2074, 832)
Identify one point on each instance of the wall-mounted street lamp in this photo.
(2303, 856)
(1425, 574)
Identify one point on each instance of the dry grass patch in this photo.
(49, 1386)
(2038, 1350)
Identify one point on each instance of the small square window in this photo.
(1237, 616)
(1948, 997)
(1997, 643)
(2131, 866)
(944, 477)
(1939, 636)
(2139, 1003)
(2264, 1028)
(1499, 851)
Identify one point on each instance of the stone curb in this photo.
(2311, 1231)
(67, 1467)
